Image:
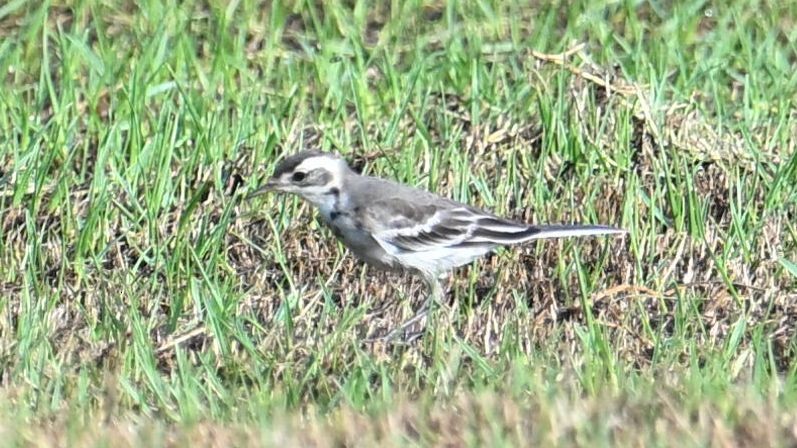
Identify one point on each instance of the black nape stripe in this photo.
(290, 163)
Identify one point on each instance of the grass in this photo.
(145, 303)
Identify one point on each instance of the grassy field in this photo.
(143, 302)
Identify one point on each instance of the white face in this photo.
(333, 165)
(316, 179)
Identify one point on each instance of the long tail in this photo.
(505, 232)
(563, 230)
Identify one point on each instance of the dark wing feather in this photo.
(410, 227)
(409, 220)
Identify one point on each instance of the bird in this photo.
(396, 227)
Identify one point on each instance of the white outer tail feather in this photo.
(564, 231)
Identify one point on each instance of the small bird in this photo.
(397, 227)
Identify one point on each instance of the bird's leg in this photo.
(435, 298)
(435, 295)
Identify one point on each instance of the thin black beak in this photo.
(271, 185)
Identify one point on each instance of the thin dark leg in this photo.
(435, 295)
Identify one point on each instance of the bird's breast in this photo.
(359, 241)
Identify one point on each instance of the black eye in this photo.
(298, 176)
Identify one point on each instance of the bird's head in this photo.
(313, 175)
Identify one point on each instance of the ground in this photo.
(145, 302)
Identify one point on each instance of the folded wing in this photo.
(418, 228)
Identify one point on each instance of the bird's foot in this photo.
(407, 337)
(379, 311)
